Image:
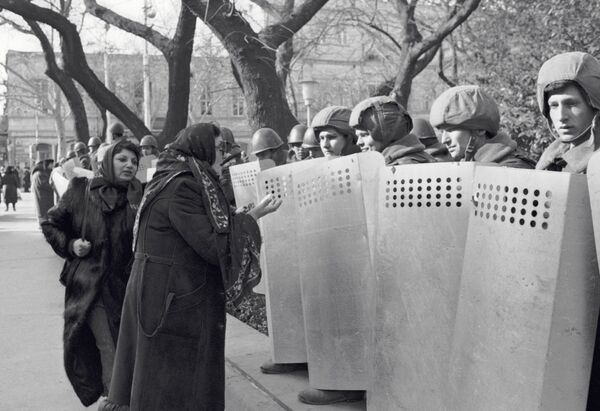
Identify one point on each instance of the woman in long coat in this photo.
(92, 228)
(10, 183)
(42, 190)
(191, 256)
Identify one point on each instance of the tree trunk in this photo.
(66, 84)
(404, 78)
(179, 61)
(75, 62)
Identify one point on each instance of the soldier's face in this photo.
(570, 113)
(146, 151)
(332, 142)
(456, 139)
(297, 147)
(366, 142)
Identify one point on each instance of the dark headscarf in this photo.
(194, 151)
(113, 192)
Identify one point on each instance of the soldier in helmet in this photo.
(93, 144)
(383, 125)
(70, 154)
(295, 141)
(568, 94)
(117, 132)
(470, 124)
(311, 145)
(232, 154)
(149, 146)
(266, 144)
(426, 135)
(81, 152)
(334, 133)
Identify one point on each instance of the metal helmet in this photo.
(71, 154)
(117, 128)
(80, 148)
(310, 139)
(94, 142)
(265, 139)
(297, 134)
(149, 140)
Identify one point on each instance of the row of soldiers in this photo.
(568, 95)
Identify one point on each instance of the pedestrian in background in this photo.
(43, 192)
(10, 185)
(26, 179)
(92, 229)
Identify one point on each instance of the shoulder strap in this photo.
(85, 209)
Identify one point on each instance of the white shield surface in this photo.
(528, 303)
(421, 233)
(593, 177)
(243, 180)
(281, 264)
(60, 182)
(336, 270)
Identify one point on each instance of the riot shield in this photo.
(420, 242)
(281, 268)
(60, 182)
(528, 302)
(243, 180)
(336, 270)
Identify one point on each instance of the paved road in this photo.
(31, 303)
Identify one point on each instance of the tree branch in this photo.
(105, 14)
(456, 18)
(283, 30)
(268, 8)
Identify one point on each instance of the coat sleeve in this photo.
(188, 217)
(58, 228)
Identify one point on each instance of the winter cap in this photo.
(581, 68)
(333, 116)
(466, 107)
(384, 118)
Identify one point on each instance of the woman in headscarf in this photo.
(91, 227)
(192, 255)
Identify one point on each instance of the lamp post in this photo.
(149, 13)
(308, 95)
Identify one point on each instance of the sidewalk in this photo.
(32, 377)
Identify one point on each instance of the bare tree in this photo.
(253, 56)
(176, 51)
(75, 62)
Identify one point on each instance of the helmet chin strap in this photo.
(470, 150)
(576, 138)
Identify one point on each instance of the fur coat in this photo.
(99, 277)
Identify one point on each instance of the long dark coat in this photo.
(11, 183)
(171, 350)
(42, 191)
(101, 275)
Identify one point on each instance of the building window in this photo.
(205, 104)
(238, 104)
(41, 94)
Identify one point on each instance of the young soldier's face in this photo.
(366, 142)
(570, 113)
(332, 142)
(457, 140)
(147, 150)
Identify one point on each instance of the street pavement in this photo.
(32, 376)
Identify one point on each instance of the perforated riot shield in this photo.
(243, 180)
(593, 178)
(528, 302)
(281, 263)
(335, 202)
(421, 234)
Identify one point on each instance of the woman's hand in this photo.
(81, 247)
(268, 205)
